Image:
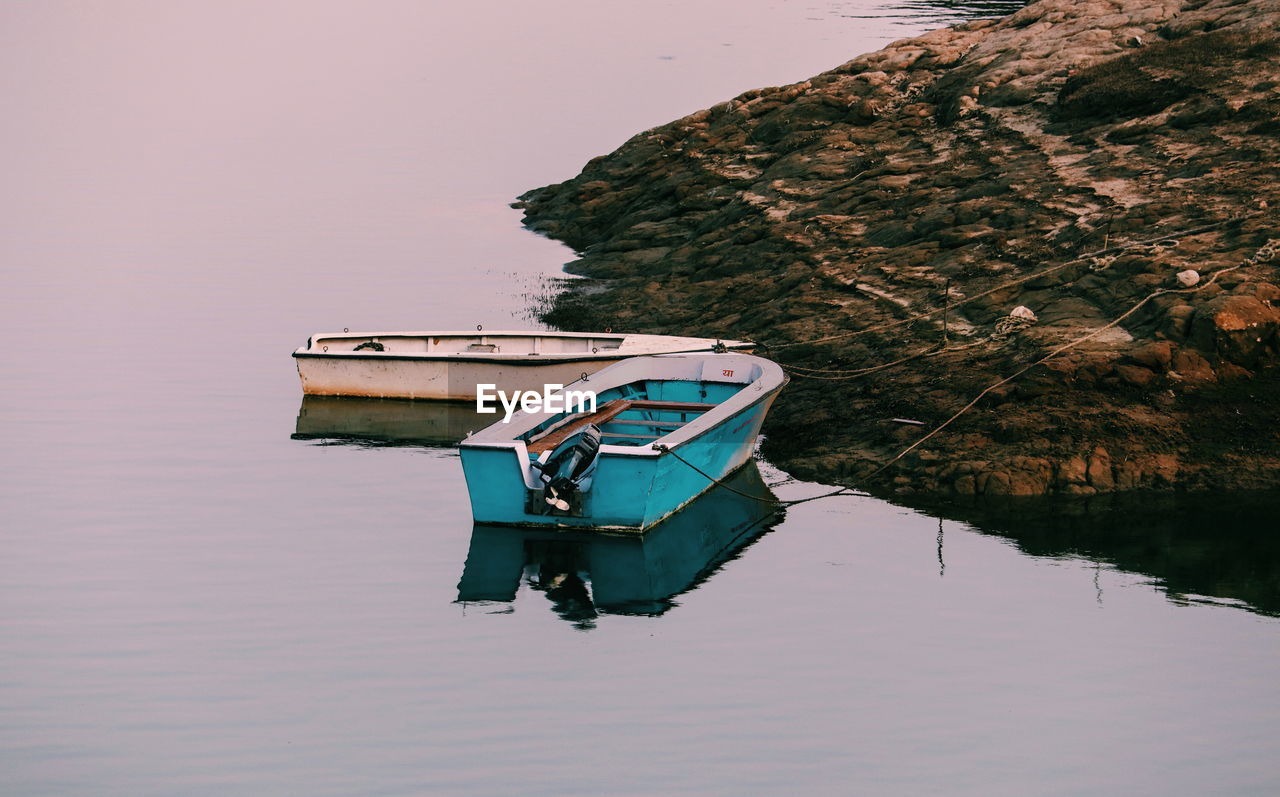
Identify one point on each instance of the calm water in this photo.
(208, 587)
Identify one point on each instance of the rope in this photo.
(836, 375)
(1017, 281)
(1265, 253)
(774, 501)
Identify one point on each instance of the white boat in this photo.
(449, 365)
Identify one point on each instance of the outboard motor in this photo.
(570, 467)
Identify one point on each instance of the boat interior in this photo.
(634, 414)
(477, 343)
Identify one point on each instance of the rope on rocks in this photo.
(1091, 256)
(835, 375)
(773, 501)
(1264, 254)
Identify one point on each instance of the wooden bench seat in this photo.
(606, 413)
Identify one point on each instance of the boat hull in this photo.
(433, 378)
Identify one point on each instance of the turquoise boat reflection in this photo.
(585, 574)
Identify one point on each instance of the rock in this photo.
(1165, 468)
(645, 257)
(1128, 475)
(1080, 489)
(1135, 375)
(1188, 366)
(1230, 371)
(1178, 321)
(1264, 292)
(1072, 470)
(1030, 475)
(1099, 470)
(993, 483)
(1157, 355)
(863, 112)
(1188, 278)
(1023, 312)
(1239, 328)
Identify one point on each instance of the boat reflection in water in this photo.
(588, 573)
(401, 422)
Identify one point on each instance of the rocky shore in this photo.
(908, 229)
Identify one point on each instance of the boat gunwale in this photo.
(640, 337)
(526, 359)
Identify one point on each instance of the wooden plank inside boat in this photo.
(606, 413)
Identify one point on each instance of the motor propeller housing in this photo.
(570, 467)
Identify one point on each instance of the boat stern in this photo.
(506, 490)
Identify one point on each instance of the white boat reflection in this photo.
(588, 573)
(387, 421)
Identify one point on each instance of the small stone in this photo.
(1022, 311)
(1188, 278)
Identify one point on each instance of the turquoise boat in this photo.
(662, 431)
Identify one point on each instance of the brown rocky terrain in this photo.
(994, 165)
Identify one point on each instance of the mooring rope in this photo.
(774, 501)
(1267, 252)
(1016, 281)
(836, 375)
